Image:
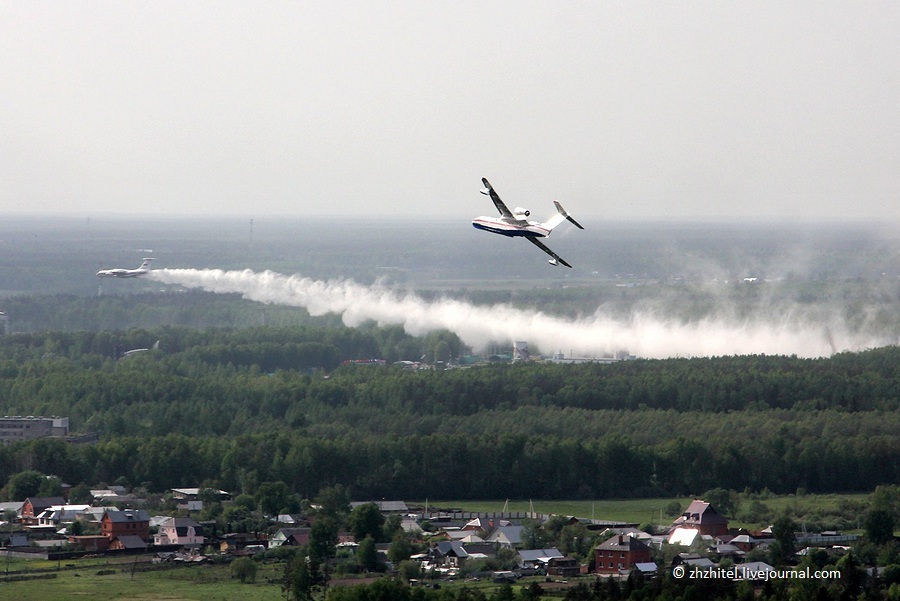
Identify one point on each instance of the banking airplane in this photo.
(144, 269)
(515, 223)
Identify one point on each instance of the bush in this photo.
(244, 569)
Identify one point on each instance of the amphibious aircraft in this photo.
(516, 223)
(126, 273)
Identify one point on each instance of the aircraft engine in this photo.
(521, 211)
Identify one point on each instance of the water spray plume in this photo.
(643, 333)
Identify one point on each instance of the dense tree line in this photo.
(29, 363)
(240, 408)
(460, 465)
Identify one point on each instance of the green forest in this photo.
(235, 408)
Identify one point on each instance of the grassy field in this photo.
(202, 582)
(653, 511)
(641, 511)
(195, 583)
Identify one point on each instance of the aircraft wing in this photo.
(544, 248)
(501, 206)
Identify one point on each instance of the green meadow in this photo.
(654, 511)
(202, 582)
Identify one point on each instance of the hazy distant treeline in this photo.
(183, 308)
(242, 407)
(49, 256)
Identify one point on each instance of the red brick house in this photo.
(129, 522)
(703, 517)
(620, 553)
(34, 506)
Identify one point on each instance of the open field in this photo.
(653, 511)
(202, 582)
(641, 511)
(194, 582)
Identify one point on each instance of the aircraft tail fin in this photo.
(560, 216)
(146, 263)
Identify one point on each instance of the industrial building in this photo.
(16, 428)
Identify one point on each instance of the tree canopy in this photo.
(272, 412)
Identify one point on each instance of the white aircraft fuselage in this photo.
(515, 223)
(510, 227)
(144, 269)
(121, 273)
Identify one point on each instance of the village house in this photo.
(753, 571)
(411, 526)
(694, 561)
(648, 569)
(110, 491)
(33, 506)
(57, 515)
(702, 517)
(506, 536)
(7, 508)
(291, 537)
(565, 567)
(480, 550)
(744, 542)
(463, 536)
(237, 542)
(193, 494)
(485, 524)
(115, 495)
(536, 558)
(292, 520)
(728, 550)
(92, 515)
(179, 531)
(127, 542)
(447, 554)
(620, 554)
(189, 498)
(686, 537)
(129, 522)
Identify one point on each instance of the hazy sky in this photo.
(649, 110)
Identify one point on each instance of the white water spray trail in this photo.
(644, 335)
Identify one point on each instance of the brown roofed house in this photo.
(129, 522)
(703, 517)
(127, 542)
(34, 506)
(620, 553)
